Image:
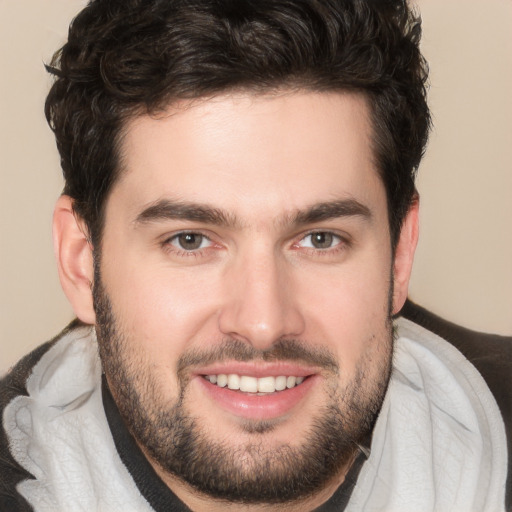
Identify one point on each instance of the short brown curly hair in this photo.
(124, 58)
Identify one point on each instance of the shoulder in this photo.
(13, 385)
(490, 354)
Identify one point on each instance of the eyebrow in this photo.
(166, 209)
(332, 210)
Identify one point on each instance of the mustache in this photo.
(281, 350)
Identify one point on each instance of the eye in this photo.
(320, 240)
(190, 241)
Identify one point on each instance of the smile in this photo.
(248, 384)
(260, 396)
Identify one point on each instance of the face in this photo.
(243, 290)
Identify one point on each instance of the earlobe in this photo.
(404, 255)
(74, 255)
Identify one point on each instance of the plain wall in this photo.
(463, 267)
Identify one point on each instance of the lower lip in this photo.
(257, 407)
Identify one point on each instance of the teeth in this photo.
(222, 380)
(233, 381)
(249, 384)
(267, 384)
(280, 383)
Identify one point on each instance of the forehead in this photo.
(246, 152)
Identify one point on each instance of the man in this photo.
(236, 236)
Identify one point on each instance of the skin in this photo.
(256, 278)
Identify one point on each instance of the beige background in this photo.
(464, 262)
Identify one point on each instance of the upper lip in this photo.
(257, 369)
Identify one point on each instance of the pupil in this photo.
(322, 240)
(190, 241)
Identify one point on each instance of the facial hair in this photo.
(251, 473)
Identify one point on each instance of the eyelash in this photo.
(342, 244)
(180, 252)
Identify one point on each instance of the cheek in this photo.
(348, 308)
(161, 310)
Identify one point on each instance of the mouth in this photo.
(260, 386)
(257, 393)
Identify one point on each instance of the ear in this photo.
(74, 259)
(404, 255)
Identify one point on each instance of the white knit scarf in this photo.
(439, 444)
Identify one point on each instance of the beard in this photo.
(253, 472)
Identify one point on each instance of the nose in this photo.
(260, 306)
